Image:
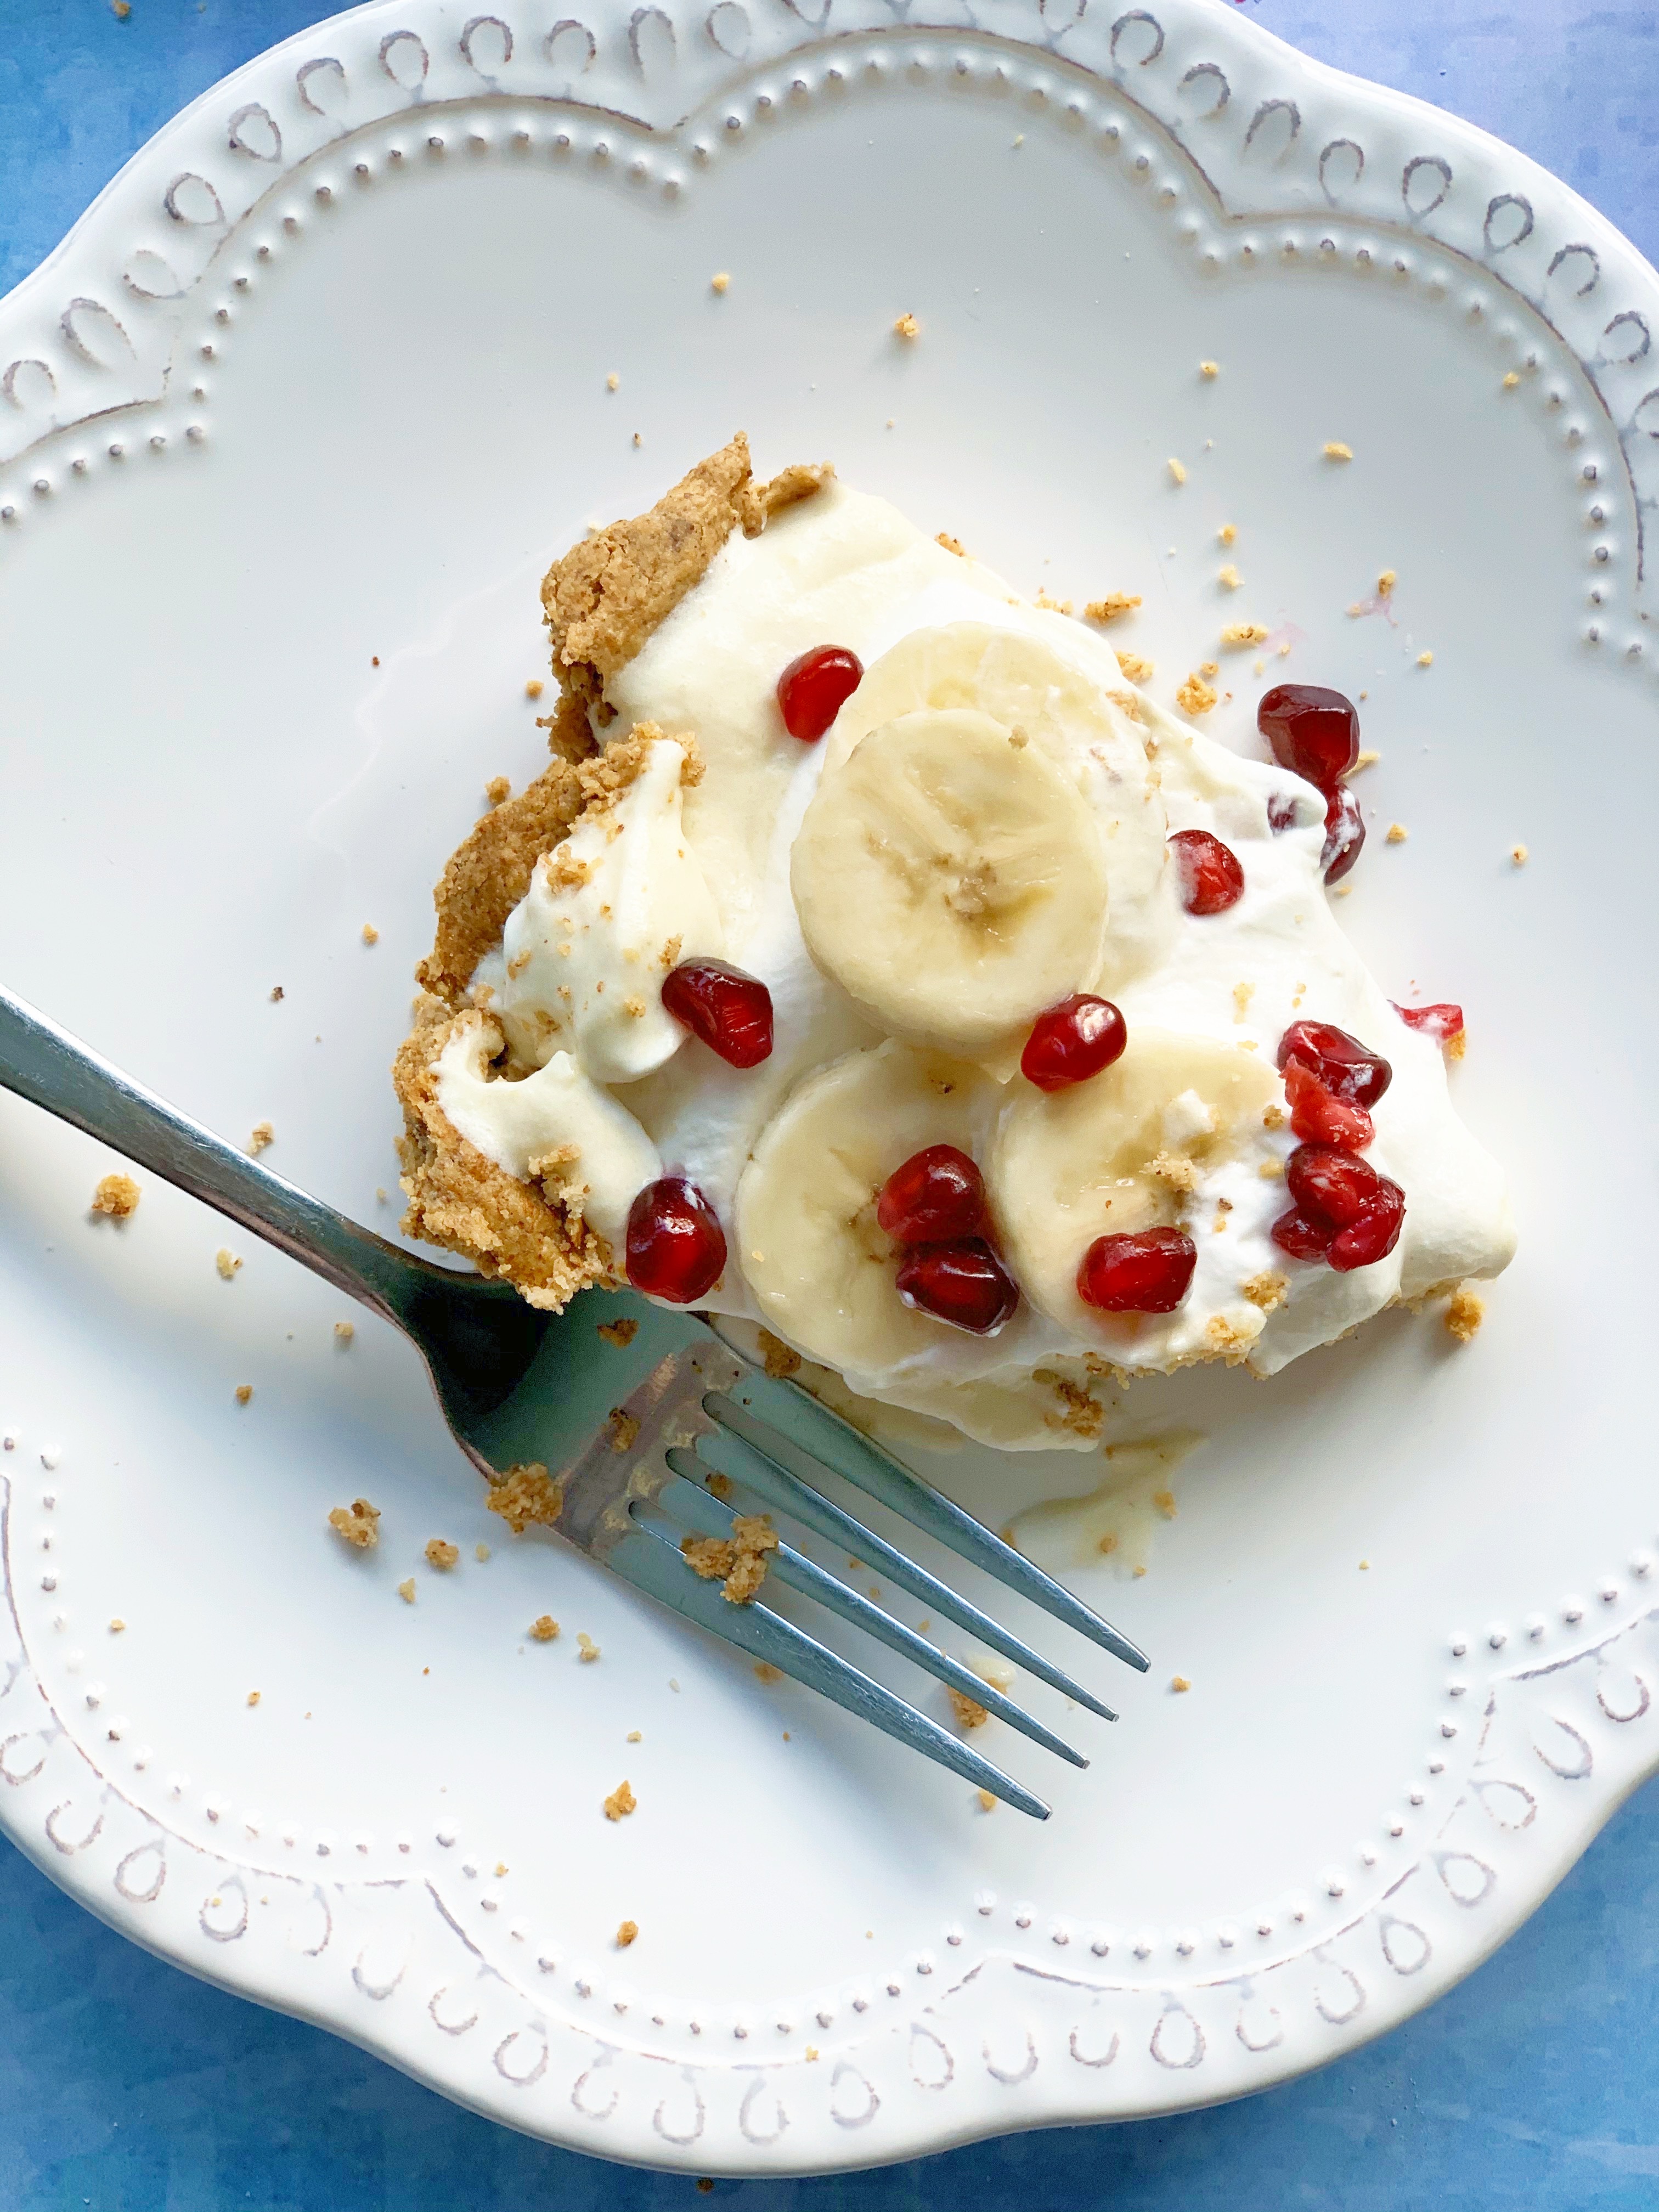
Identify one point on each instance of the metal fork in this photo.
(640, 1486)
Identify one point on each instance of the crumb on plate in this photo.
(1195, 695)
(227, 1262)
(116, 1195)
(766, 1671)
(626, 1934)
(116, 1625)
(1234, 635)
(1465, 1311)
(1367, 759)
(244, 1392)
(356, 1523)
(720, 280)
(987, 1803)
(587, 1650)
(738, 1562)
(907, 326)
(1113, 605)
(259, 1136)
(970, 1713)
(1178, 1683)
(620, 1802)
(624, 1428)
(371, 935)
(442, 1553)
(406, 1590)
(1511, 380)
(1425, 660)
(544, 1629)
(1209, 368)
(620, 1332)
(253, 1696)
(1518, 854)
(1136, 670)
(1177, 471)
(344, 1331)
(1336, 451)
(1227, 576)
(1398, 833)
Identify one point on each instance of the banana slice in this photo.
(1115, 1155)
(822, 1270)
(951, 878)
(1074, 707)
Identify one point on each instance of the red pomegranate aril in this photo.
(676, 1246)
(963, 1283)
(1314, 733)
(1073, 1041)
(1373, 1234)
(815, 686)
(1443, 1022)
(1346, 1068)
(1319, 1118)
(1208, 876)
(1331, 1185)
(1301, 1235)
(1148, 1272)
(937, 1197)
(731, 1013)
(1345, 834)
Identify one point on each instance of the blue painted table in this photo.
(126, 2088)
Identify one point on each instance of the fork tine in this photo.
(692, 1507)
(880, 1476)
(790, 1494)
(651, 1562)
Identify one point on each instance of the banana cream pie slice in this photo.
(875, 962)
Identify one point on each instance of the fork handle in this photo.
(50, 1068)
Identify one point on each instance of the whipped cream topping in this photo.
(709, 867)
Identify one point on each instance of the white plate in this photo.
(322, 377)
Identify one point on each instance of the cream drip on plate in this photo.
(1078, 780)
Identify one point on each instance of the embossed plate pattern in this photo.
(286, 428)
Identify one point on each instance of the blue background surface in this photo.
(128, 2087)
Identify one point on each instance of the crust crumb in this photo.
(1398, 833)
(782, 1359)
(718, 1485)
(986, 1802)
(1112, 607)
(738, 1562)
(624, 1429)
(951, 545)
(1195, 695)
(766, 1671)
(243, 1393)
(907, 327)
(1052, 606)
(227, 1262)
(970, 1713)
(1178, 1683)
(627, 1933)
(1229, 579)
(1082, 1414)
(1425, 660)
(1227, 533)
(1137, 670)
(620, 1802)
(1174, 1168)
(720, 280)
(587, 1650)
(344, 1331)
(260, 1137)
(357, 1523)
(1465, 1313)
(406, 1590)
(1164, 1501)
(1177, 471)
(1235, 635)
(620, 1333)
(1208, 370)
(1268, 1289)
(544, 1629)
(526, 1493)
(1336, 451)
(1519, 853)
(117, 1196)
(442, 1553)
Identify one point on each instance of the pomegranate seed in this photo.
(1373, 1234)
(1207, 874)
(731, 1013)
(937, 1197)
(963, 1284)
(676, 1246)
(1300, 1236)
(1314, 733)
(1345, 833)
(1073, 1041)
(1319, 1118)
(1150, 1272)
(1443, 1022)
(814, 687)
(1346, 1068)
(1331, 1185)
